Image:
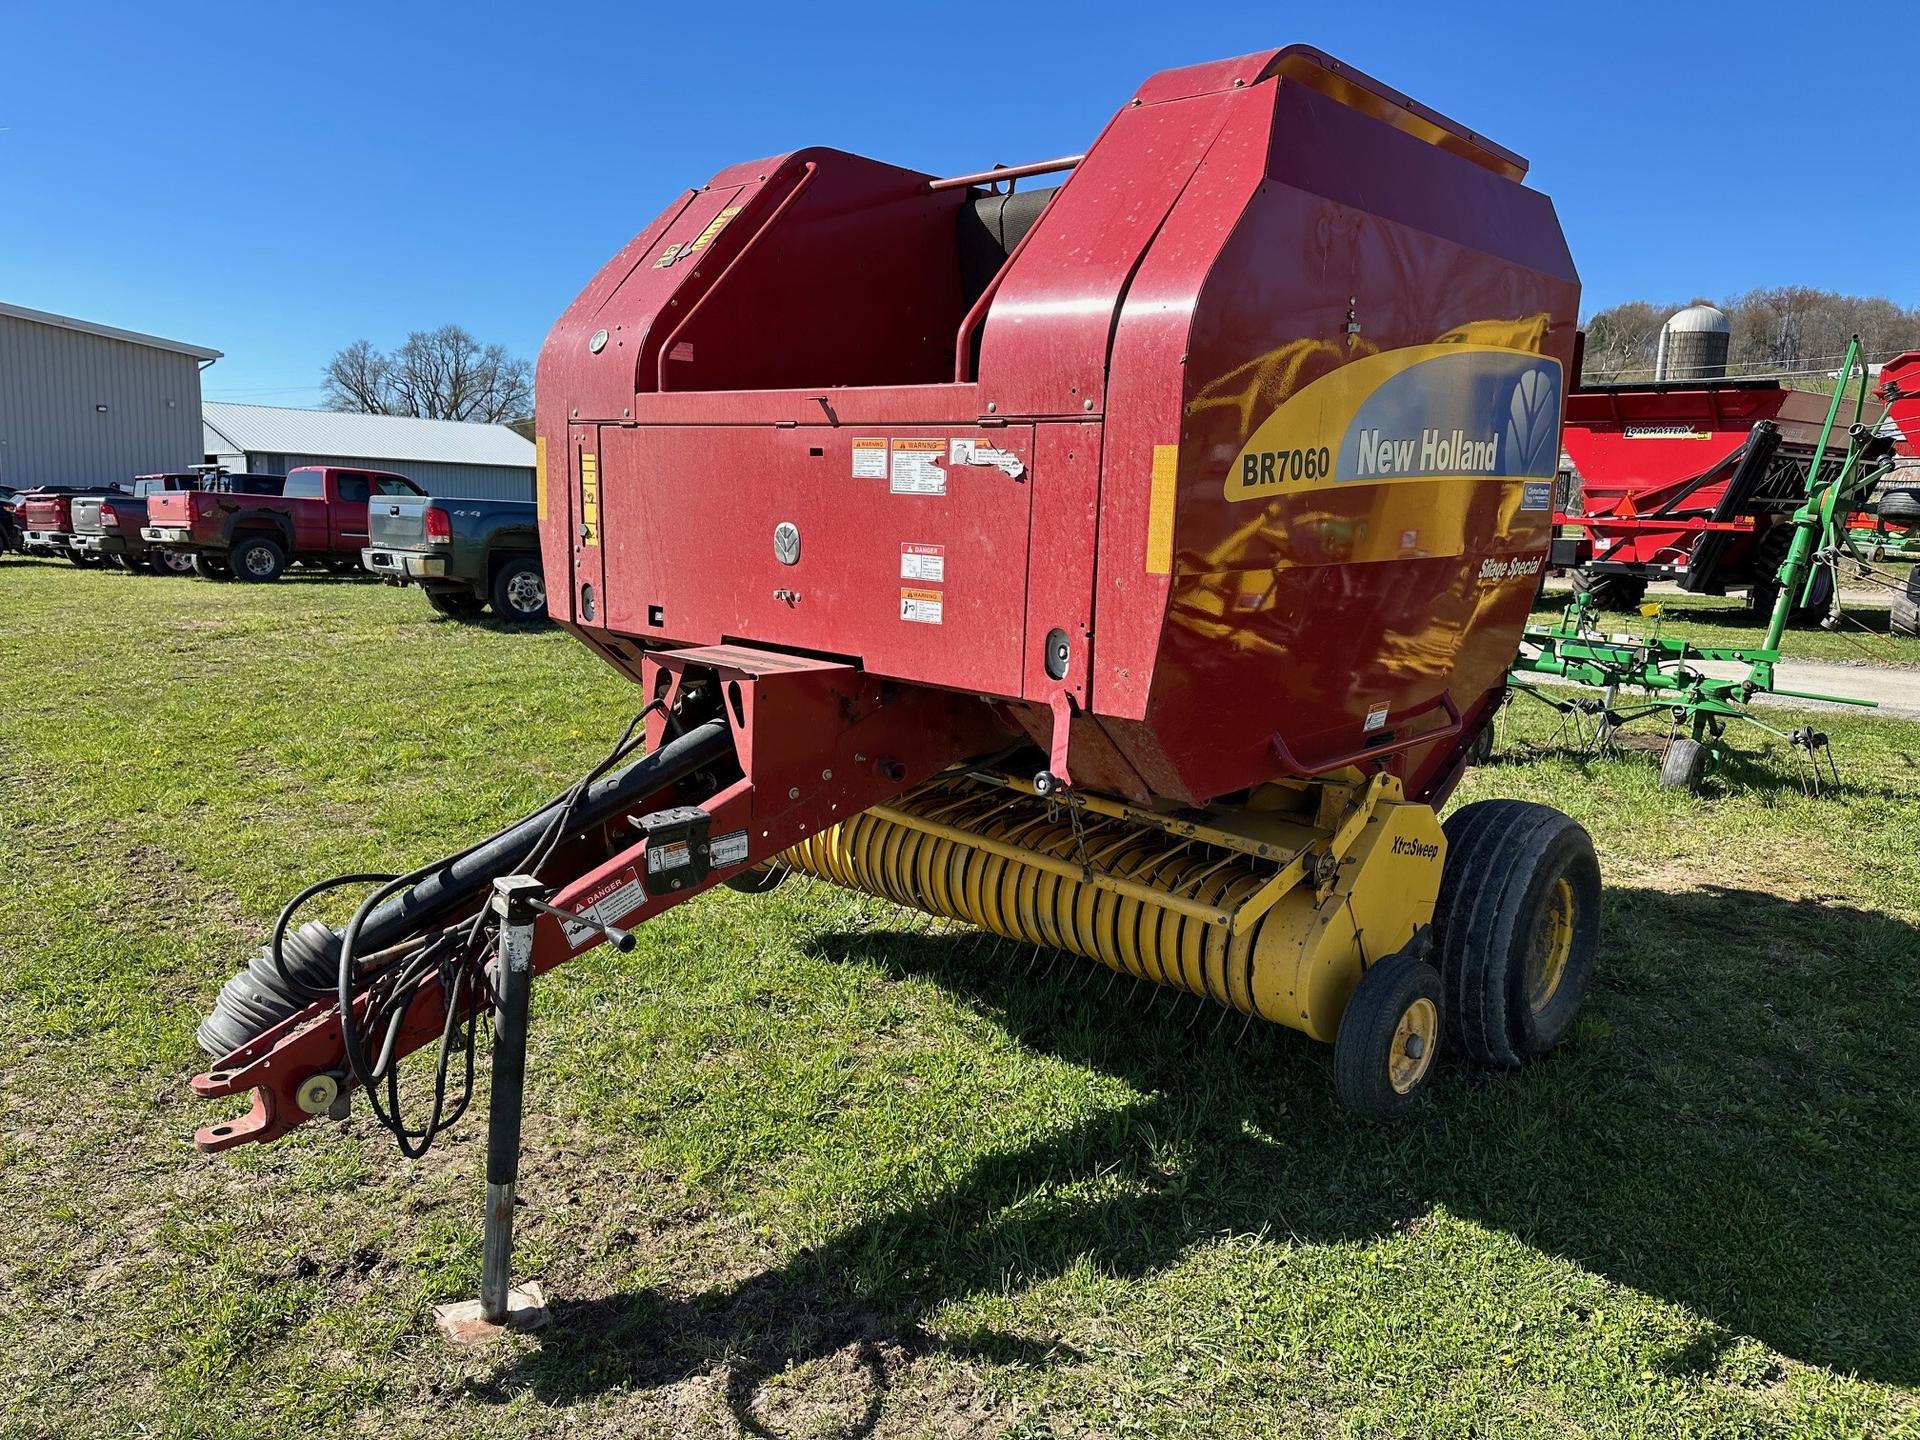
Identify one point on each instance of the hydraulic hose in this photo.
(261, 995)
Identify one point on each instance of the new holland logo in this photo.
(1428, 412)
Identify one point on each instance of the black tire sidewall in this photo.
(1568, 854)
(1363, 1044)
(238, 569)
(502, 606)
(1684, 765)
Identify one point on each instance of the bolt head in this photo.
(794, 793)
(317, 1094)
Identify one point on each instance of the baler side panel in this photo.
(1044, 344)
(1324, 606)
(1060, 558)
(917, 570)
(1143, 462)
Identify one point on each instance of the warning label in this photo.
(920, 606)
(924, 562)
(1376, 717)
(725, 850)
(979, 452)
(609, 903)
(870, 458)
(917, 469)
(673, 855)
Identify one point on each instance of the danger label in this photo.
(608, 903)
(917, 469)
(921, 606)
(924, 562)
(870, 458)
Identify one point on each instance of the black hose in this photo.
(299, 967)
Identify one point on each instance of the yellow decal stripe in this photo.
(540, 478)
(1166, 469)
(589, 498)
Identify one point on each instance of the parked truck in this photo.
(46, 520)
(465, 554)
(108, 526)
(319, 517)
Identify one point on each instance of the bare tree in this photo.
(442, 374)
(1621, 340)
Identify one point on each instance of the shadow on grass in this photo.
(1731, 1128)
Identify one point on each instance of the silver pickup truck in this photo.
(465, 554)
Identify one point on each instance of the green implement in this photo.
(1638, 677)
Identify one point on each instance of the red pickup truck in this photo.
(320, 517)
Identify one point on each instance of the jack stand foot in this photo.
(462, 1322)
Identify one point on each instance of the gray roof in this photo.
(109, 332)
(279, 430)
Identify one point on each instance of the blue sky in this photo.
(277, 181)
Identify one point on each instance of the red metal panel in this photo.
(1060, 560)
(1147, 407)
(1308, 614)
(918, 571)
(1900, 388)
(1043, 348)
(586, 506)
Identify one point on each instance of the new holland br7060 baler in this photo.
(1126, 567)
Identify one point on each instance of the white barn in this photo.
(443, 457)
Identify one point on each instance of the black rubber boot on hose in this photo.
(1516, 928)
(257, 999)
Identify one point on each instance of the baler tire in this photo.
(208, 568)
(1376, 1072)
(1622, 593)
(1684, 765)
(272, 565)
(1520, 894)
(1903, 613)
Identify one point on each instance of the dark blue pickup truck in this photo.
(465, 554)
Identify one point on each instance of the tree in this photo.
(1784, 329)
(442, 374)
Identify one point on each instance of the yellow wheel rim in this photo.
(1415, 1039)
(1552, 946)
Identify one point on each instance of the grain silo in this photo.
(1694, 345)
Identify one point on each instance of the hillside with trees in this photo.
(1785, 330)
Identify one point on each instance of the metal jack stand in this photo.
(502, 1305)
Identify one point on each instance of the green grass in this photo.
(809, 1165)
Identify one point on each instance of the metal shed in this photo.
(445, 457)
(88, 404)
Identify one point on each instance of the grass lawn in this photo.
(809, 1165)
